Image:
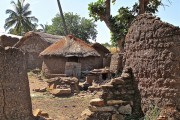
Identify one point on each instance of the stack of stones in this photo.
(63, 85)
(116, 101)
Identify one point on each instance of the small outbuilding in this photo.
(105, 57)
(33, 43)
(69, 56)
(8, 39)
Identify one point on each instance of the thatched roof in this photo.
(44, 36)
(70, 46)
(98, 46)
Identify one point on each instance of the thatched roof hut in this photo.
(50, 39)
(99, 47)
(33, 43)
(69, 55)
(68, 47)
(8, 39)
(105, 58)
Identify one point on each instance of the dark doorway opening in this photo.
(104, 76)
(73, 59)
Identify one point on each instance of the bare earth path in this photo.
(58, 108)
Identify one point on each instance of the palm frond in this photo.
(19, 19)
(33, 19)
(27, 13)
(26, 7)
(9, 24)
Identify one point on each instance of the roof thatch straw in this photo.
(44, 36)
(98, 46)
(68, 47)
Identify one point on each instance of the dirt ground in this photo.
(58, 108)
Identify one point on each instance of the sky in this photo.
(45, 10)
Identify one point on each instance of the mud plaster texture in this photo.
(152, 50)
(15, 101)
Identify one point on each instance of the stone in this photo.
(106, 86)
(86, 112)
(44, 114)
(97, 102)
(127, 109)
(93, 88)
(162, 118)
(42, 89)
(116, 102)
(51, 86)
(117, 81)
(117, 117)
(37, 112)
(58, 92)
(36, 89)
(102, 109)
(125, 75)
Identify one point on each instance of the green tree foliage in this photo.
(106, 44)
(43, 28)
(19, 20)
(78, 26)
(120, 23)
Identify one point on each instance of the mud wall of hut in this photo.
(54, 65)
(32, 47)
(89, 63)
(153, 53)
(15, 101)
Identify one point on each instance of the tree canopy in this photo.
(119, 24)
(19, 20)
(80, 27)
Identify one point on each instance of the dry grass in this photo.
(113, 49)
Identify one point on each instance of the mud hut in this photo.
(8, 39)
(104, 59)
(69, 56)
(33, 43)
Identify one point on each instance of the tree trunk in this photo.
(121, 45)
(142, 6)
(62, 16)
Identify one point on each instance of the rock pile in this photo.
(117, 99)
(63, 86)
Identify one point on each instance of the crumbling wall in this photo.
(7, 41)
(15, 101)
(118, 101)
(153, 53)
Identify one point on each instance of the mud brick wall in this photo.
(153, 53)
(15, 101)
(116, 64)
